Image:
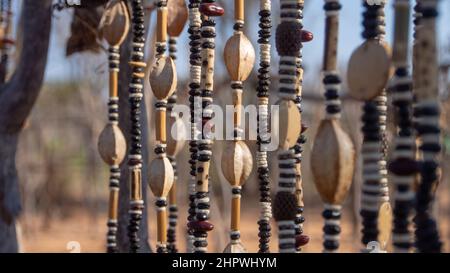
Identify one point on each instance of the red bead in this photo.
(211, 9)
(307, 36)
(301, 240)
(200, 226)
(8, 41)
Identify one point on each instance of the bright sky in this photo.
(350, 37)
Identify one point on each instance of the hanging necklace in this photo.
(177, 17)
(237, 162)
(288, 43)
(427, 113)
(195, 61)
(368, 73)
(6, 42)
(136, 87)
(333, 154)
(112, 147)
(163, 81)
(201, 225)
(403, 165)
(265, 26)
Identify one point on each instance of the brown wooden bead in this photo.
(211, 9)
(288, 38)
(163, 78)
(301, 240)
(284, 206)
(160, 176)
(385, 218)
(332, 162)
(115, 23)
(369, 69)
(112, 145)
(177, 17)
(289, 124)
(200, 226)
(239, 56)
(235, 248)
(237, 162)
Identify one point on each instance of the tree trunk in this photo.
(17, 98)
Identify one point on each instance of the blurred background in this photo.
(64, 182)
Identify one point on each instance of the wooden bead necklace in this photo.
(427, 114)
(403, 165)
(177, 17)
(288, 43)
(237, 161)
(136, 87)
(195, 61)
(332, 169)
(114, 28)
(368, 73)
(163, 81)
(201, 225)
(263, 87)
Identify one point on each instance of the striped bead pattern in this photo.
(195, 61)
(403, 166)
(374, 188)
(112, 224)
(202, 201)
(263, 87)
(289, 44)
(135, 97)
(427, 115)
(332, 227)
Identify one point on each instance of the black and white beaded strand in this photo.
(195, 61)
(136, 87)
(332, 85)
(288, 42)
(403, 165)
(427, 114)
(374, 189)
(265, 25)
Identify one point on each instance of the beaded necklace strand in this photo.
(115, 25)
(136, 87)
(237, 162)
(333, 154)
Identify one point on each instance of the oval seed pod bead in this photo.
(332, 170)
(195, 61)
(288, 43)
(201, 225)
(427, 114)
(114, 27)
(177, 17)
(371, 60)
(136, 87)
(163, 81)
(263, 138)
(237, 162)
(403, 166)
